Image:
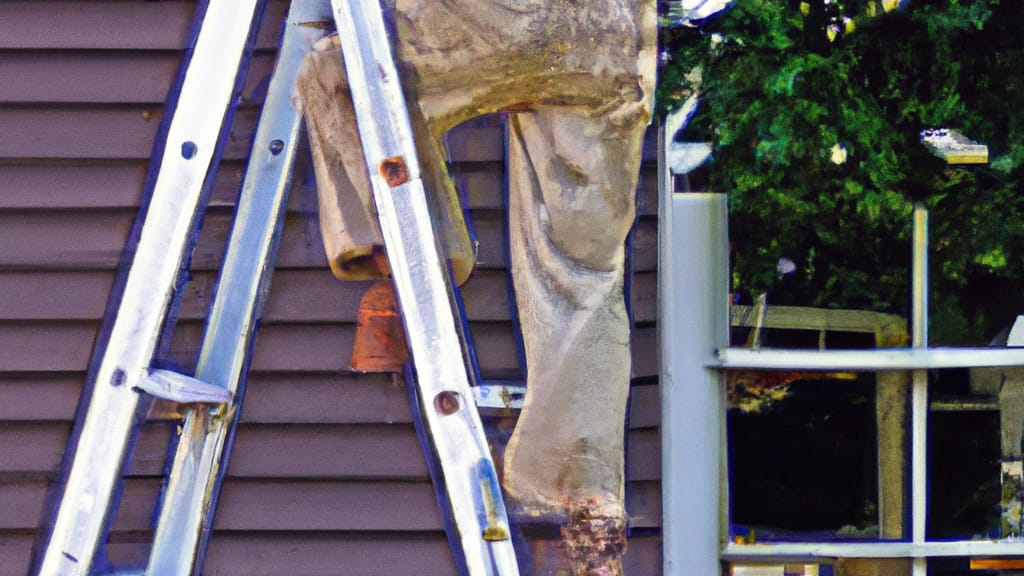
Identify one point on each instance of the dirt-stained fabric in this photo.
(577, 77)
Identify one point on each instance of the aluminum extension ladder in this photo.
(212, 397)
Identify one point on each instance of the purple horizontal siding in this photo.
(97, 133)
(112, 25)
(273, 398)
(322, 554)
(66, 347)
(327, 474)
(84, 76)
(85, 185)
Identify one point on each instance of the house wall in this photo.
(327, 475)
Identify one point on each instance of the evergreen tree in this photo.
(815, 110)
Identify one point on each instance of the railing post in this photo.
(693, 324)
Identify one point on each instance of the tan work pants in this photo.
(579, 75)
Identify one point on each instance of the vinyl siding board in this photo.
(294, 504)
(301, 295)
(84, 76)
(326, 475)
(100, 133)
(112, 25)
(98, 185)
(65, 240)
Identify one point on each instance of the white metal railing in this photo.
(693, 329)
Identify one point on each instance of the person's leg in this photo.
(573, 183)
(585, 72)
(348, 215)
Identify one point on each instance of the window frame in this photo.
(693, 325)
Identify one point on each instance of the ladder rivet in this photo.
(446, 402)
(276, 146)
(117, 378)
(188, 149)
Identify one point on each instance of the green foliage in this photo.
(815, 110)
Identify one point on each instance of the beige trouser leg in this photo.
(569, 216)
(584, 71)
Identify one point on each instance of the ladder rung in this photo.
(183, 389)
(499, 395)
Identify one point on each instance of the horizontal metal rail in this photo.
(866, 360)
(932, 549)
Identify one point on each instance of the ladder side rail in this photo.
(186, 517)
(192, 138)
(441, 373)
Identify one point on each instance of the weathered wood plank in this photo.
(314, 295)
(320, 555)
(299, 348)
(376, 505)
(370, 398)
(112, 25)
(98, 132)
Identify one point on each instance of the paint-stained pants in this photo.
(579, 77)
